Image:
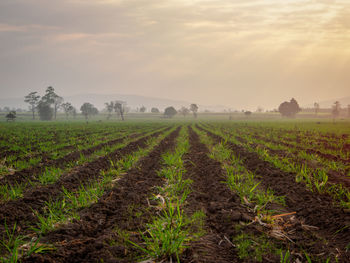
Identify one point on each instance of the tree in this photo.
(74, 113)
(143, 109)
(52, 98)
(11, 116)
(45, 111)
(194, 109)
(87, 109)
(289, 109)
(260, 109)
(33, 100)
(316, 107)
(154, 110)
(94, 111)
(109, 108)
(170, 112)
(119, 108)
(184, 111)
(336, 109)
(57, 104)
(68, 108)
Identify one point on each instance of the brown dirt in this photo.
(90, 239)
(334, 177)
(222, 207)
(332, 222)
(29, 174)
(21, 210)
(327, 156)
(35, 153)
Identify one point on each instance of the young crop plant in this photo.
(129, 161)
(314, 179)
(239, 179)
(55, 212)
(243, 182)
(67, 208)
(86, 195)
(50, 175)
(11, 192)
(255, 247)
(170, 233)
(64, 210)
(10, 243)
(285, 256)
(14, 246)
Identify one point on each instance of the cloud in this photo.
(207, 49)
(25, 28)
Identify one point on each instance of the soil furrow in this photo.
(30, 173)
(332, 222)
(222, 207)
(326, 156)
(335, 177)
(90, 239)
(21, 210)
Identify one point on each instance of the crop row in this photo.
(23, 157)
(58, 203)
(337, 146)
(100, 223)
(66, 162)
(319, 174)
(185, 194)
(312, 211)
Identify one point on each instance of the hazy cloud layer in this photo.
(239, 53)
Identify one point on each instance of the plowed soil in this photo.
(335, 177)
(222, 207)
(93, 238)
(333, 223)
(21, 210)
(30, 173)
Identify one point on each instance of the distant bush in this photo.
(45, 111)
(194, 109)
(87, 109)
(289, 109)
(11, 116)
(170, 112)
(143, 109)
(154, 110)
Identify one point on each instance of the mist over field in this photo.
(235, 54)
(193, 131)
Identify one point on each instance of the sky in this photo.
(239, 53)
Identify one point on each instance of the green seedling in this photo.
(11, 192)
(285, 257)
(11, 242)
(50, 175)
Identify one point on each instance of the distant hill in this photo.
(133, 101)
(344, 102)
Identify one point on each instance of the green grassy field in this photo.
(245, 190)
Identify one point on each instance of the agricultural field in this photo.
(175, 191)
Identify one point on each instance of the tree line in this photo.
(50, 103)
(291, 108)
